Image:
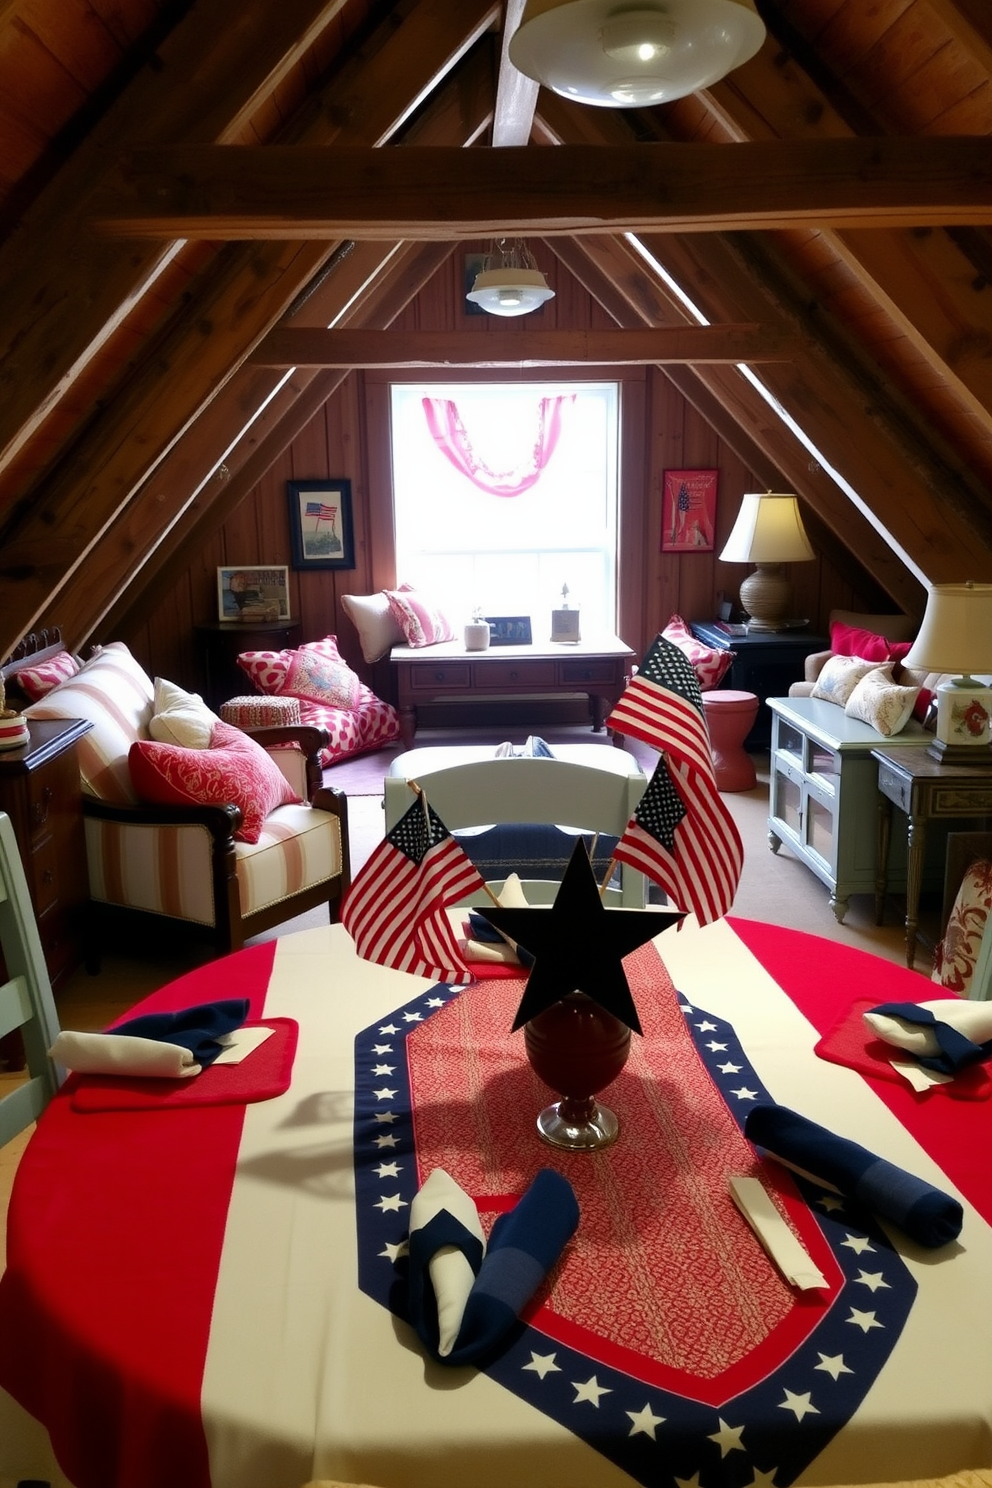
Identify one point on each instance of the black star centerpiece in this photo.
(577, 1011)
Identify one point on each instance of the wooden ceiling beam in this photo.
(259, 411)
(64, 297)
(241, 296)
(524, 347)
(274, 191)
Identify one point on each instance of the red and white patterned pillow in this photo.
(269, 670)
(955, 956)
(233, 769)
(709, 664)
(321, 678)
(38, 680)
(421, 622)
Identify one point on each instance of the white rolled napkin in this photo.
(122, 1054)
(973, 1019)
(451, 1274)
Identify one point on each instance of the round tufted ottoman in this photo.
(729, 717)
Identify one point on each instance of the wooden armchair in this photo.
(183, 864)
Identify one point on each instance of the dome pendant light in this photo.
(509, 283)
(633, 53)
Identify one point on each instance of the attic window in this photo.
(503, 492)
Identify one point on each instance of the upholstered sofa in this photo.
(228, 837)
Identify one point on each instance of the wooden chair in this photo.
(540, 792)
(26, 1001)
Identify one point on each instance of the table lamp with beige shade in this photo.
(956, 637)
(768, 532)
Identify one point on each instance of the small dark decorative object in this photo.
(509, 630)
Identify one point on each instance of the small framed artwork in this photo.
(509, 630)
(688, 511)
(320, 523)
(565, 626)
(253, 593)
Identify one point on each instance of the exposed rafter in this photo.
(284, 192)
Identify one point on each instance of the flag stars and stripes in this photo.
(763, 1479)
(716, 1048)
(858, 1243)
(872, 1280)
(645, 1421)
(830, 1202)
(730, 1069)
(435, 1002)
(388, 1117)
(384, 1094)
(413, 1017)
(707, 1026)
(588, 1392)
(388, 1170)
(382, 1048)
(387, 1140)
(392, 1203)
(383, 1069)
(393, 1253)
(833, 1364)
(800, 1405)
(863, 1320)
(387, 1028)
(542, 1364)
(743, 1093)
(727, 1438)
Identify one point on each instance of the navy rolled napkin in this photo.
(924, 1213)
(937, 1033)
(489, 935)
(465, 1296)
(198, 1029)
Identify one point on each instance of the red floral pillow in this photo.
(850, 640)
(322, 678)
(709, 664)
(954, 959)
(422, 623)
(233, 769)
(270, 671)
(37, 681)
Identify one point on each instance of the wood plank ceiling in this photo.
(155, 287)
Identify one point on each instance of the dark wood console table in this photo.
(926, 791)
(448, 673)
(220, 644)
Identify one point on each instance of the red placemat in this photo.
(852, 1043)
(264, 1073)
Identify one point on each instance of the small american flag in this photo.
(681, 834)
(320, 511)
(395, 909)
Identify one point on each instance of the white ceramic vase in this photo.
(477, 635)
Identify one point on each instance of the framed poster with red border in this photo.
(688, 511)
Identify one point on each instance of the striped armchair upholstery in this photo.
(183, 862)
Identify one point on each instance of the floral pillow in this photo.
(35, 682)
(881, 702)
(421, 622)
(269, 670)
(710, 664)
(955, 956)
(322, 678)
(234, 769)
(839, 677)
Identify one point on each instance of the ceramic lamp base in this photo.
(766, 596)
(964, 715)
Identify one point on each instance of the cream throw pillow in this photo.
(839, 677)
(378, 629)
(879, 701)
(180, 717)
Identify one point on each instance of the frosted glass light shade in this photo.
(634, 54)
(510, 291)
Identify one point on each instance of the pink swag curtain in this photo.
(445, 424)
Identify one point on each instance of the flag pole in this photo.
(608, 875)
(418, 790)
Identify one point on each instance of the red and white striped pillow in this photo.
(35, 682)
(421, 622)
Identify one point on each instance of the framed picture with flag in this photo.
(320, 523)
(688, 511)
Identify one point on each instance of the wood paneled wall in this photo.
(349, 438)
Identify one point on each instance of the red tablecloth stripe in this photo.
(824, 979)
(111, 1356)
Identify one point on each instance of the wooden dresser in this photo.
(40, 792)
